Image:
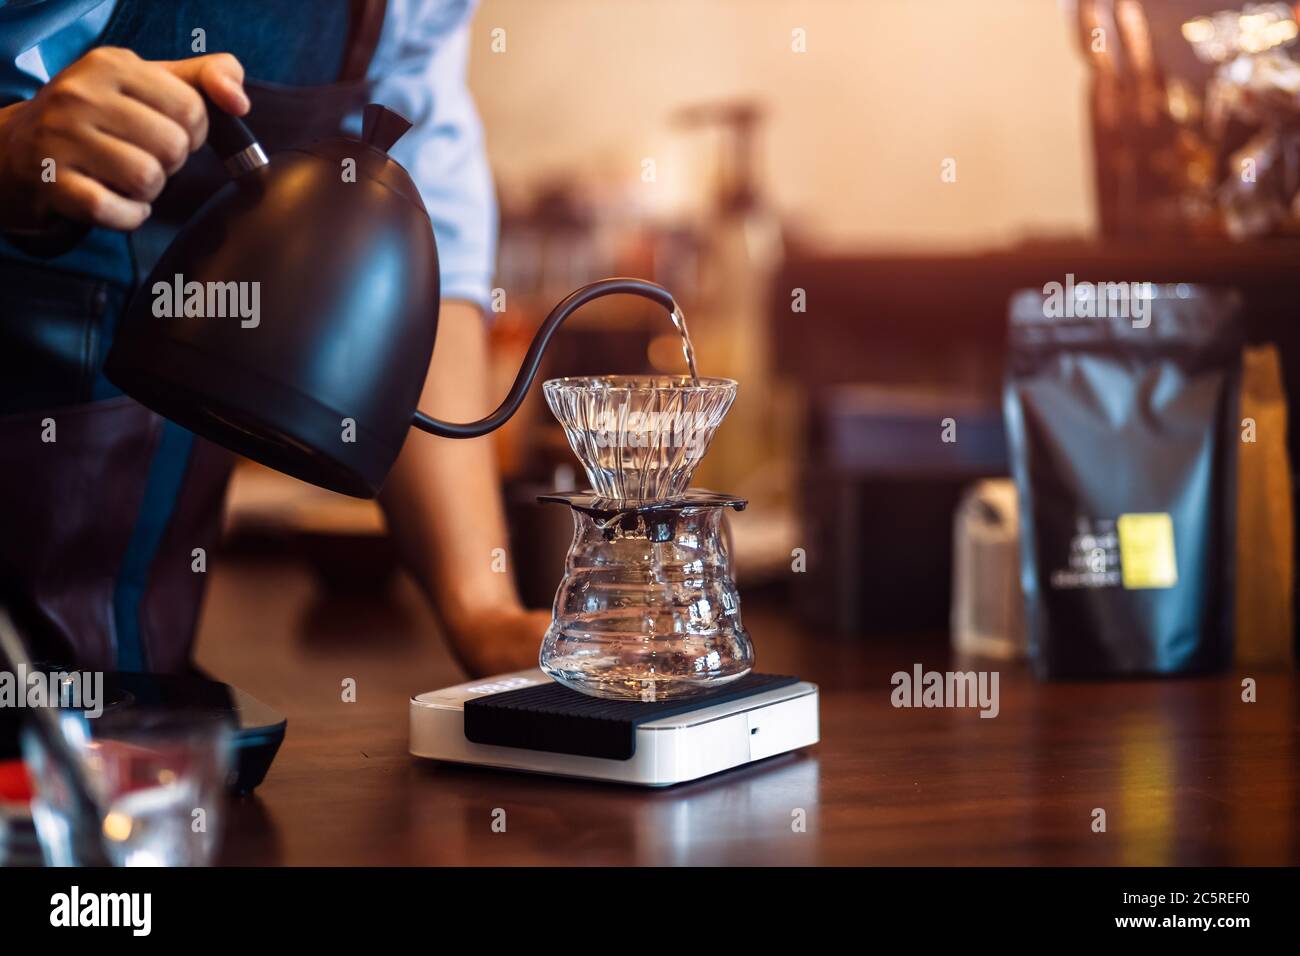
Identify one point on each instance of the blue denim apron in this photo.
(98, 528)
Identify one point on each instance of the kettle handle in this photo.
(232, 140)
(528, 371)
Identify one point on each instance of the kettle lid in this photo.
(382, 127)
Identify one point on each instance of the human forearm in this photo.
(442, 498)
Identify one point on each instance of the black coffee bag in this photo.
(1121, 410)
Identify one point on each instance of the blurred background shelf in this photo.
(797, 204)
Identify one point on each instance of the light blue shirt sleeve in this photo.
(419, 70)
(38, 38)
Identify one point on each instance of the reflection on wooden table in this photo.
(1186, 772)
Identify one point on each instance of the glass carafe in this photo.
(647, 609)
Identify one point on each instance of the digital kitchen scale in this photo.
(526, 721)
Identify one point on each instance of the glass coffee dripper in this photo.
(648, 609)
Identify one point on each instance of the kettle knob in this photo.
(382, 127)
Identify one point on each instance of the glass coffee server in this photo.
(648, 608)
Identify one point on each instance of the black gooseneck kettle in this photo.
(292, 319)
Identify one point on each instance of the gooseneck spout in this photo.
(528, 371)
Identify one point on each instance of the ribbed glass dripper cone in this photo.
(640, 437)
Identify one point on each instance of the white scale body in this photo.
(670, 750)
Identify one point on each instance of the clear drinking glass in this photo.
(158, 780)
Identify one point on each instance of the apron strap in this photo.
(363, 36)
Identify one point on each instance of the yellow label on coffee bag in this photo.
(1146, 551)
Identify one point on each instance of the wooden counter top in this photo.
(1186, 772)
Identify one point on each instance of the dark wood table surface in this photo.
(1186, 772)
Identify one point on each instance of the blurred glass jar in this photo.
(647, 609)
(158, 779)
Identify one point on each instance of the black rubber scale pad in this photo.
(553, 718)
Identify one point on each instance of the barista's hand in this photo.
(116, 127)
(499, 641)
